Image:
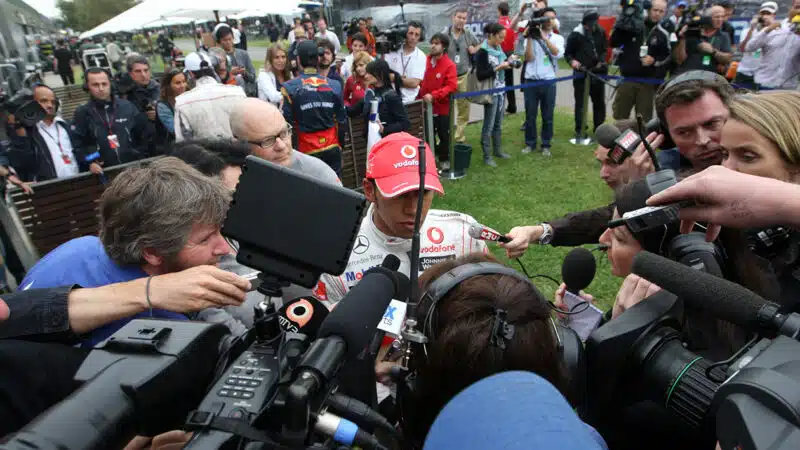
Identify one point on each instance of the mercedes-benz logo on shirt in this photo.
(362, 245)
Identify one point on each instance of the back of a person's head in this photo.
(775, 116)
(460, 350)
(210, 157)
(154, 206)
(632, 196)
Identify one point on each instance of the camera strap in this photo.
(547, 53)
(204, 421)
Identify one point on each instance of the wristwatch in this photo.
(547, 234)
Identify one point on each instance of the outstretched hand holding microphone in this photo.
(727, 198)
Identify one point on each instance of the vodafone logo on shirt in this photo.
(435, 235)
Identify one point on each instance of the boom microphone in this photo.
(484, 233)
(720, 297)
(356, 315)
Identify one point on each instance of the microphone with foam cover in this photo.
(303, 315)
(605, 135)
(483, 233)
(356, 315)
(720, 297)
(578, 269)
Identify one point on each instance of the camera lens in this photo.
(674, 376)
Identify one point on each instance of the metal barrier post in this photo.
(582, 138)
(430, 136)
(451, 174)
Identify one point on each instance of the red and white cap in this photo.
(393, 163)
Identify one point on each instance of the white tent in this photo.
(150, 11)
(170, 21)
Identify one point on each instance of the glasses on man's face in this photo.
(269, 142)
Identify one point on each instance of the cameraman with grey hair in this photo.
(155, 219)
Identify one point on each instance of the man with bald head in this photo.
(706, 49)
(262, 125)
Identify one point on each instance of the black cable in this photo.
(647, 146)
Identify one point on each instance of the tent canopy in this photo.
(149, 11)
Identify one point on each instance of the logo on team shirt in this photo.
(435, 235)
(320, 291)
(428, 262)
(362, 245)
(408, 151)
(438, 248)
(313, 81)
(356, 275)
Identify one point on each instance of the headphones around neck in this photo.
(570, 347)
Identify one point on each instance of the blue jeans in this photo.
(492, 125)
(544, 95)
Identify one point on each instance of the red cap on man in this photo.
(394, 165)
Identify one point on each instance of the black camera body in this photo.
(25, 109)
(695, 25)
(533, 29)
(630, 19)
(391, 39)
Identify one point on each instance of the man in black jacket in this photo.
(109, 131)
(45, 151)
(586, 51)
(646, 53)
(146, 91)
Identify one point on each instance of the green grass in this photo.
(528, 189)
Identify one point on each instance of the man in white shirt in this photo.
(325, 33)
(204, 112)
(409, 62)
(49, 152)
(780, 56)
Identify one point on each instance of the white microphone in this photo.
(484, 233)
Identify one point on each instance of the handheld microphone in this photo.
(620, 144)
(720, 297)
(484, 233)
(578, 272)
(303, 315)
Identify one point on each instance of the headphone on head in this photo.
(218, 28)
(568, 343)
(692, 75)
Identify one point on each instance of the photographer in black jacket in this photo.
(586, 51)
(645, 54)
(109, 131)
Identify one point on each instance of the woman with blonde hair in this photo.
(274, 73)
(355, 86)
(762, 138)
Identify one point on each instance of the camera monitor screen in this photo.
(291, 225)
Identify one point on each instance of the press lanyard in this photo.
(57, 140)
(406, 62)
(109, 122)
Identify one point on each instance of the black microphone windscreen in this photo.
(605, 135)
(578, 269)
(391, 262)
(303, 315)
(720, 297)
(356, 316)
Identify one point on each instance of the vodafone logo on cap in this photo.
(408, 151)
(435, 235)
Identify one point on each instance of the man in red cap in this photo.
(392, 186)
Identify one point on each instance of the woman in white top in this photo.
(274, 73)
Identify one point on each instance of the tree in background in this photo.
(86, 14)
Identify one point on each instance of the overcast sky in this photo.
(45, 7)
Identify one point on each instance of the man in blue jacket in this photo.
(313, 106)
(160, 218)
(109, 130)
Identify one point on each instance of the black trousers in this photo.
(441, 126)
(33, 377)
(67, 78)
(597, 92)
(511, 96)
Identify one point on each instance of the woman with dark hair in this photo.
(462, 347)
(274, 73)
(392, 115)
(173, 84)
(491, 64)
(223, 159)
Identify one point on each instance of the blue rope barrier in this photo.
(514, 88)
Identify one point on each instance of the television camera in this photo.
(631, 19)
(270, 388)
(391, 39)
(749, 401)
